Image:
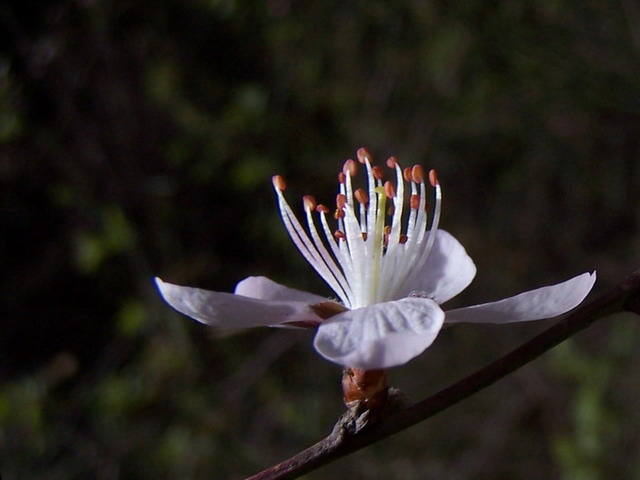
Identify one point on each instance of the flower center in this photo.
(377, 248)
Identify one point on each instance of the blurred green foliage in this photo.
(138, 139)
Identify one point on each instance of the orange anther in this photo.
(364, 155)
(378, 173)
(309, 203)
(350, 167)
(406, 173)
(322, 209)
(415, 201)
(361, 196)
(341, 201)
(389, 189)
(341, 177)
(433, 178)
(417, 173)
(279, 183)
(339, 235)
(392, 162)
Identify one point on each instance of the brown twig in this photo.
(625, 296)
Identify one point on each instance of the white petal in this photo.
(448, 270)
(382, 335)
(263, 288)
(229, 311)
(545, 302)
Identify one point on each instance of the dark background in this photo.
(138, 139)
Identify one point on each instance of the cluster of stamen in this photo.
(371, 256)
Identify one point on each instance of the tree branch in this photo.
(624, 297)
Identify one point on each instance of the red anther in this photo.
(415, 201)
(342, 177)
(338, 214)
(417, 173)
(339, 235)
(350, 167)
(279, 183)
(341, 201)
(364, 155)
(309, 203)
(406, 173)
(433, 178)
(361, 196)
(322, 209)
(389, 189)
(378, 173)
(392, 162)
(403, 238)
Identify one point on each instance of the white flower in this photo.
(388, 269)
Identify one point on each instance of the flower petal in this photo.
(263, 288)
(447, 271)
(545, 302)
(229, 311)
(380, 336)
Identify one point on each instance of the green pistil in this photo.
(378, 238)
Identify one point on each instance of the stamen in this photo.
(364, 155)
(321, 252)
(309, 203)
(279, 183)
(350, 167)
(425, 247)
(371, 190)
(336, 247)
(365, 257)
(361, 196)
(307, 248)
(398, 206)
(389, 189)
(417, 173)
(433, 178)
